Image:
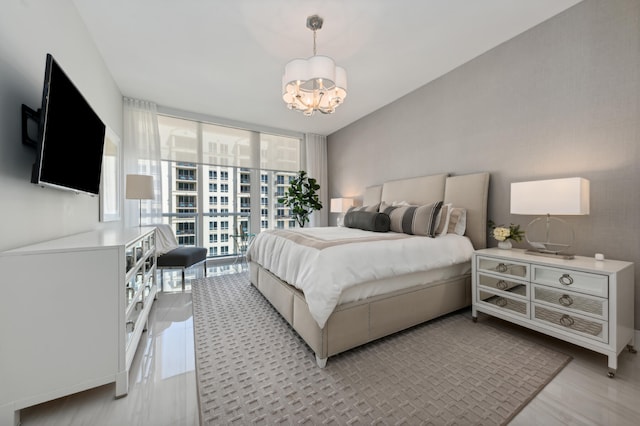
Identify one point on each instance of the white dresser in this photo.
(71, 314)
(583, 301)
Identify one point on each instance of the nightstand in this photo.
(583, 301)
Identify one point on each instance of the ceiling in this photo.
(225, 58)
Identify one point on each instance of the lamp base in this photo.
(564, 256)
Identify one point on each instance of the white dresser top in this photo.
(104, 238)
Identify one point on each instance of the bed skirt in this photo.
(356, 323)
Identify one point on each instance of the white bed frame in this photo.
(355, 323)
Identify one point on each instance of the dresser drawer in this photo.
(504, 302)
(597, 285)
(503, 267)
(570, 301)
(574, 323)
(520, 288)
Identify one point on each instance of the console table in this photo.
(71, 314)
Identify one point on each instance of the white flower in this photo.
(501, 233)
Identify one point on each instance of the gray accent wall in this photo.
(560, 100)
(28, 31)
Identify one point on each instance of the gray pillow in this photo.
(367, 221)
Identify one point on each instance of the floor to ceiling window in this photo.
(221, 183)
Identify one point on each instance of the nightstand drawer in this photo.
(491, 282)
(503, 267)
(597, 285)
(503, 302)
(574, 323)
(571, 301)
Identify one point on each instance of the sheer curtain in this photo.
(142, 156)
(315, 164)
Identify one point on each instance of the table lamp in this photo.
(341, 205)
(549, 235)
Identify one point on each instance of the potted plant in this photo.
(301, 197)
(503, 234)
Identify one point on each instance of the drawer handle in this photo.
(501, 301)
(501, 267)
(565, 300)
(139, 306)
(130, 326)
(566, 320)
(566, 279)
(502, 285)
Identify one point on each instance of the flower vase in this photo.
(504, 245)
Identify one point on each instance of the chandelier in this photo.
(316, 83)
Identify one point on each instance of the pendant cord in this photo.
(314, 42)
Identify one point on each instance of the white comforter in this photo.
(333, 259)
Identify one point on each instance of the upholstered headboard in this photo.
(466, 191)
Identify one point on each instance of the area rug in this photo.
(253, 368)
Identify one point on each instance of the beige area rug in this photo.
(252, 368)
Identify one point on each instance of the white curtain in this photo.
(142, 156)
(315, 164)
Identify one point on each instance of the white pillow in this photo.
(457, 221)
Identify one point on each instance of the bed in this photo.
(342, 287)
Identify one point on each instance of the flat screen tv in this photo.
(70, 137)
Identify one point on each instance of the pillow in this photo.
(369, 208)
(413, 220)
(457, 221)
(367, 221)
(443, 219)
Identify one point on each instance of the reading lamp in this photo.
(548, 235)
(341, 205)
(139, 187)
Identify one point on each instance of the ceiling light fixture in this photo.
(316, 83)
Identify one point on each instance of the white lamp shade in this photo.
(568, 196)
(139, 187)
(341, 205)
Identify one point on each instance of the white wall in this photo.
(560, 100)
(29, 29)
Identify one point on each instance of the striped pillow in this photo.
(413, 220)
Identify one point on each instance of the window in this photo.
(227, 167)
(186, 186)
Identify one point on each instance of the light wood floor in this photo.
(163, 386)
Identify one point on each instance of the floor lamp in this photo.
(139, 187)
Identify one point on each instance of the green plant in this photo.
(502, 233)
(301, 197)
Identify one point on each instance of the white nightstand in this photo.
(584, 301)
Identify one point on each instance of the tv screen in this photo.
(70, 136)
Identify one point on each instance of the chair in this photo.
(242, 239)
(176, 257)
